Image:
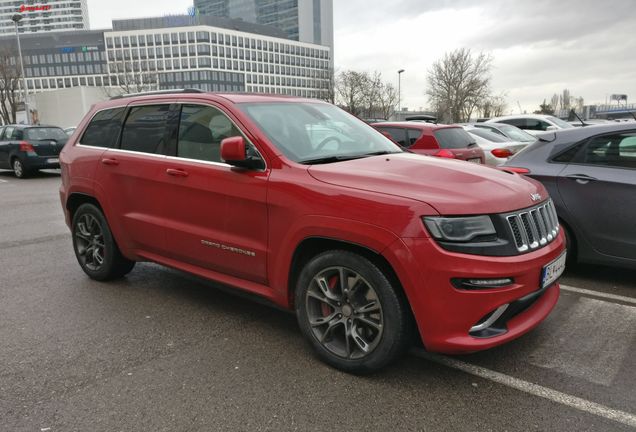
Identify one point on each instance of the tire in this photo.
(18, 168)
(360, 329)
(95, 248)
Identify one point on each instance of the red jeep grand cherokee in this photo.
(309, 207)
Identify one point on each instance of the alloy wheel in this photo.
(90, 242)
(18, 169)
(344, 312)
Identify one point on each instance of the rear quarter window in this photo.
(104, 128)
(453, 138)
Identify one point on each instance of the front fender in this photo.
(372, 237)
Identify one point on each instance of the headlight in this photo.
(459, 229)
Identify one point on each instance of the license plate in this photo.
(475, 160)
(553, 271)
(53, 160)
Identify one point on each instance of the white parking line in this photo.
(533, 389)
(599, 294)
(4, 181)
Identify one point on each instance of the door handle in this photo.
(176, 172)
(581, 178)
(110, 162)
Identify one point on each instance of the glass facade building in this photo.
(301, 20)
(176, 52)
(47, 16)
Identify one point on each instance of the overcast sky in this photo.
(539, 47)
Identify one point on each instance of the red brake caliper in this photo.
(326, 310)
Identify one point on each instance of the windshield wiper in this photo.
(331, 159)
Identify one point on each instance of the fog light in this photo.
(477, 284)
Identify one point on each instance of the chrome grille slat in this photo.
(534, 227)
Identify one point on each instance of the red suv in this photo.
(447, 141)
(298, 202)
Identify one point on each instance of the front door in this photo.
(599, 190)
(216, 214)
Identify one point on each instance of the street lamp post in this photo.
(400, 90)
(16, 18)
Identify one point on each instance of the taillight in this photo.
(517, 170)
(501, 153)
(445, 154)
(26, 147)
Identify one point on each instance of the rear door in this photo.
(8, 147)
(216, 214)
(4, 150)
(599, 189)
(133, 177)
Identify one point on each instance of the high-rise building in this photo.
(50, 15)
(302, 20)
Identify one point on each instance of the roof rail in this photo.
(157, 92)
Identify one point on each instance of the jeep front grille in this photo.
(534, 227)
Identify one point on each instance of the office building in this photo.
(48, 16)
(302, 20)
(212, 54)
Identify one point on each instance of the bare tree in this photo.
(10, 77)
(459, 84)
(127, 78)
(494, 106)
(350, 90)
(387, 100)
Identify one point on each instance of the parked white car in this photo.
(533, 123)
(497, 148)
(513, 133)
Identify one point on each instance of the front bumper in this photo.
(445, 314)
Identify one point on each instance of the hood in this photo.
(452, 187)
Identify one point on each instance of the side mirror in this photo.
(234, 152)
(551, 128)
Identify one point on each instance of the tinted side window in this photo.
(568, 155)
(520, 123)
(398, 135)
(612, 150)
(201, 130)
(145, 129)
(413, 136)
(103, 130)
(18, 134)
(453, 138)
(7, 133)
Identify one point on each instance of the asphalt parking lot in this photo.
(160, 351)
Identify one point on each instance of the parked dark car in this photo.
(26, 149)
(446, 141)
(590, 173)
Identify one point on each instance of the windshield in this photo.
(40, 134)
(453, 138)
(560, 123)
(517, 134)
(488, 135)
(306, 132)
